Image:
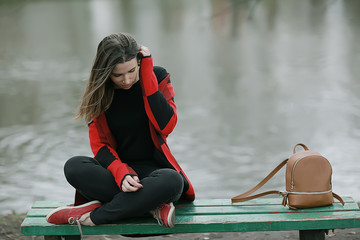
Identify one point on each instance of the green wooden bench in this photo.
(210, 215)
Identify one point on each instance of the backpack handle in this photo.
(300, 144)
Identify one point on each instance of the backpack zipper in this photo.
(310, 193)
(292, 173)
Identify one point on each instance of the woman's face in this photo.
(125, 75)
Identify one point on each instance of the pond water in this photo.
(252, 79)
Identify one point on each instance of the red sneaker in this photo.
(69, 214)
(165, 214)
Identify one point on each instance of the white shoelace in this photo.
(73, 221)
(156, 215)
(158, 220)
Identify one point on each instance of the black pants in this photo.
(160, 185)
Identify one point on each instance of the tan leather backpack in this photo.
(308, 181)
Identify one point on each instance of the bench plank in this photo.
(217, 215)
(198, 224)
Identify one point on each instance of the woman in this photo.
(130, 110)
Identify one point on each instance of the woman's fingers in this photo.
(131, 184)
(136, 178)
(134, 181)
(145, 51)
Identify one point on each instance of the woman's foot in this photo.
(70, 214)
(86, 220)
(165, 214)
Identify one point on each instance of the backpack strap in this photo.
(245, 196)
(338, 198)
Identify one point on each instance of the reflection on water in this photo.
(252, 78)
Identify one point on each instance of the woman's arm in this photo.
(158, 97)
(103, 146)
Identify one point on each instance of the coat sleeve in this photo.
(158, 95)
(103, 146)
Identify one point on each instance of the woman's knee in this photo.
(73, 167)
(171, 179)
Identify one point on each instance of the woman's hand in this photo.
(131, 184)
(144, 51)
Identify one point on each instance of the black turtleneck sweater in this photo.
(129, 124)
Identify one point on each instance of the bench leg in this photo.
(312, 234)
(70, 237)
(52, 237)
(73, 237)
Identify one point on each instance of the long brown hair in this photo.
(112, 50)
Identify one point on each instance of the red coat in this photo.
(158, 96)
